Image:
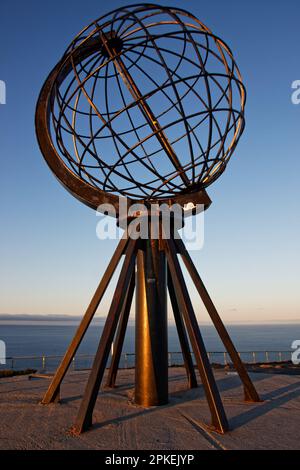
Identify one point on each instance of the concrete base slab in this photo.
(182, 424)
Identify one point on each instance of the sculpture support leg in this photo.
(151, 371)
(118, 344)
(84, 417)
(249, 389)
(151, 368)
(219, 420)
(53, 390)
(183, 339)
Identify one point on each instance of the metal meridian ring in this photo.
(85, 193)
(161, 77)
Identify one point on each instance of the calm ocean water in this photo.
(52, 340)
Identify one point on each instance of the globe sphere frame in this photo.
(181, 186)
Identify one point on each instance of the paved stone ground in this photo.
(182, 424)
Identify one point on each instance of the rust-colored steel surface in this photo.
(145, 106)
(120, 335)
(53, 389)
(146, 103)
(151, 337)
(183, 338)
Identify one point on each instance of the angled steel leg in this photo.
(84, 417)
(219, 420)
(249, 389)
(183, 339)
(53, 391)
(119, 341)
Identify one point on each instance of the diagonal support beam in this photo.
(219, 420)
(85, 414)
(183, 339)
(53, 391)
(118, 344)
(249, 389)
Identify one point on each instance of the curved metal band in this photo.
(84, 192)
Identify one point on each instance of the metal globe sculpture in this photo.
(147, 104)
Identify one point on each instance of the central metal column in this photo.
(151, 335)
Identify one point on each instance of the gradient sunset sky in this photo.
(51, 259)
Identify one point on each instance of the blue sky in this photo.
(51, 259)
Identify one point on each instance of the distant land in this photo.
(52, 319)
(23, 319)
(41, 317)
